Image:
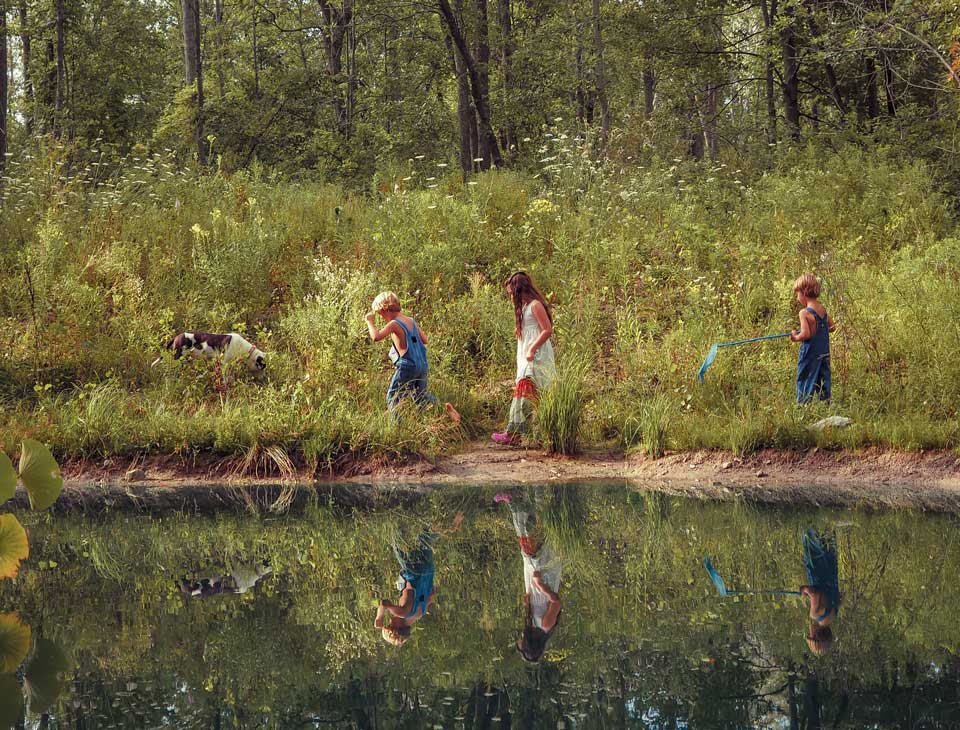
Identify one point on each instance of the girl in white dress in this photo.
(542, 573)
(536, 367)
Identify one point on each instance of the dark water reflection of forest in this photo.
(552, 607)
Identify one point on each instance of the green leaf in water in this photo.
(40, 474)
(43, 678)
(14, 642)
(13, 546)
(8, 478)
(11, 701)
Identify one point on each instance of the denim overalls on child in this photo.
(820, 563)
(416, 568)
(813, 367)
(410, 377)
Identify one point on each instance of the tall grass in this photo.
(645, 267)
(560, 410)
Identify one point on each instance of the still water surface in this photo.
(553, 607)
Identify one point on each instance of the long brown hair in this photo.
(522, 292)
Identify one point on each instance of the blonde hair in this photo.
(386, 300)
(808, 285)
(397, 637)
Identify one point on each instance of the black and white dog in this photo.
(207, 345)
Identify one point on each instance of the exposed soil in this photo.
(869, 478)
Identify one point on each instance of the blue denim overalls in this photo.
(813, 367)
(410, 377)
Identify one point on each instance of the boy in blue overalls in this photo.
(408, 353)
(813, 366)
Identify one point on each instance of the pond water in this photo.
(239, 621)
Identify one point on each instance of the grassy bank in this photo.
(647, 266)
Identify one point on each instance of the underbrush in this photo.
(646, 267)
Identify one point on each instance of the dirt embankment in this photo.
(870, 478)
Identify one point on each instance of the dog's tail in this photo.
(156, 362)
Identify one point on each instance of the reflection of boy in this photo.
(415, 583)
(822, 589)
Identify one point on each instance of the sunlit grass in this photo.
(100, 264)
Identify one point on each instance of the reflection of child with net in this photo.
(542, 572)
(415, 583)
(822, 589)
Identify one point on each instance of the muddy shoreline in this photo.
(873, 479)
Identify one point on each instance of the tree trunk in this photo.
(191, 44)
(871, 97)
(710, 124)
(465, 112)
(300, 44)
(336, 24)
(649, 92)
(580, 94)
(3, 87)
(255, 51)
(601, 76)
(791, 72)
(48, 87)
(27, 82)
(351, 74)
(888, 82)
(482, 56)
(218, 19)
(769, 12)
(832, 83)
(505, 20)
(193, 69)
(696, 129)
(479, 92)
(61, 88)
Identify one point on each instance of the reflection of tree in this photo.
(646, 640)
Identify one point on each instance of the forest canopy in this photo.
(341, 89)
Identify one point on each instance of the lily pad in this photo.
(14, 642)
(13, 546)
(43, 676)
(11, 701)
(40, 474)
(8, 478)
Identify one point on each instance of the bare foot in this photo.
(452, 412)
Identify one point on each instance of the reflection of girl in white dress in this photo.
(536, 367)
(542, 571)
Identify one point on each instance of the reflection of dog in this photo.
(206, 345)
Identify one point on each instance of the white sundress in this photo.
(540, 371)
(548, 564)
(543, 368)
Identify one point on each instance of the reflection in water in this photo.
(542, 571)
(642, 641)
(242, 577)
(822, 588)
(415, 583)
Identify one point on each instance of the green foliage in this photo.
(560, 410)
(8, 478)
(40, 474)
(649, 425)
(645, 268)
(639, 612)
(14, 642)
